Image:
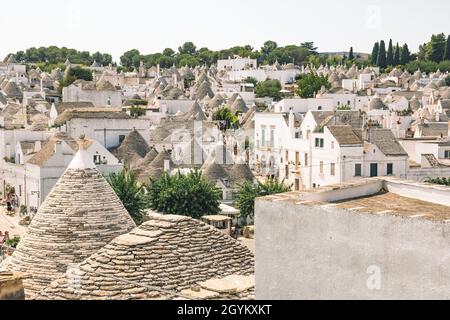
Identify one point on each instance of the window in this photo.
(272, 137)
(97, 159)
(286, 173)
(297, 160)
(390, 169)
(306, 159)
(333, 169)
(358, 170)
(287, 156)
(319, 143)
(263, 136)
(308, 134)
(447, 154)
(20, 190)
(319, 108)
(321, 167)
(332, 144)
(297, 184)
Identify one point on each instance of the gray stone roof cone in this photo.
(80, 215)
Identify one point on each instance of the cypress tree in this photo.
(447, 49)
(381, 59)
(405, 57)
(397, 55)
(376, 48)
(390, 54)
(350, 55)
(437, 48)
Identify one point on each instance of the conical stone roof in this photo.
(12, 90)
(133, 144)
(239, 106)
(156, 168)
(80, 215)
(162, 259)
(195, 113)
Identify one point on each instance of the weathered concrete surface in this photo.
(317, 252)
(11, 286)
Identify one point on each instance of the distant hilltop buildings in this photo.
(365, 133)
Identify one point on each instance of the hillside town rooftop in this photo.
(380, 196)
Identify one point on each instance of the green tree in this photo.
(248, 192)
(74, 74)
(224, 114)
(381, 59)
(424, 66)
(187, 48)
(269, 88)
(168, 52)
(187, 195)
(440, 181)
(136, 111)
(130, 193)
(447, 49)
(207, 56)
(350, 55)
(436, 48)
(447, 81)
(250, 80)
(310, 46)
(396, 61)
(390, 54)
(375, 50)
(53, 55)
(128, 59)
(310, 84)
(268, 47)
(405, 57)
(13, 242)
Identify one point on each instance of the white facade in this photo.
(300, 105)
(292, 154)
(109, 132)
(354, 101)
(33, 182)
(100, 98)
(283, 76)
(237, 64)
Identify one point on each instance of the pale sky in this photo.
(150, 26)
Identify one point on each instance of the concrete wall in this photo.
(322, 252)
(107, 131)
(425, 174)
(11, 287)
(316, 252)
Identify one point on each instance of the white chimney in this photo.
(58, 147)
(166, 165)
(37, 146)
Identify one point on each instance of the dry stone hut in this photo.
(156, 168)
(80, 215)
(238, 106)
(149, 157)
(195, 113)
(132, 150)
(166, 257)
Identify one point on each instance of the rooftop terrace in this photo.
(388, 196)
